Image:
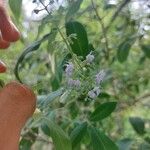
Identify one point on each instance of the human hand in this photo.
(17, 104)
(8, 31)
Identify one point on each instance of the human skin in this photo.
(8, 31)
(17, 101)
(17, 104)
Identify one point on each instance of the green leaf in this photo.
(2, 83)
(45, 129)
(123, 50)
(33, 47)
(103, 111)
(100, 141)
(125, 144)
(144, 146)
(78, 133)
(79, 43)
(43, 24)
(138, 125)
(44, 101)
(91, 47)
(75, 6)
(57, 77)
(146, 50)
(16, 6)
(60, 138)
(28, 139)
(25, 144)
(104, 95)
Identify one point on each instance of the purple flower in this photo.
(74, 83)
(90, 58)
(70, 82)
(100, 77)
(69, 69)
(91, 94)
(94, 93)
(96, 90)
(77, 83)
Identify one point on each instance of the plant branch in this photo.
(115, 15)
(125, 106)
(62, 36)
(103, 30)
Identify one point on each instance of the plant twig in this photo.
(62, 36)
(103, 30)
(115, 15)
(125, 106)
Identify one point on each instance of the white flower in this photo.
(100, 77)
(69, 69)
(89, 58)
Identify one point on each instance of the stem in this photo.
(45, 7)
(123, 4)
(103, 30)
(65, 41)
(124, 106)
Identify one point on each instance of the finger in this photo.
(18, 100)
(9, 31)
(2, 67)
(23, 88)
(3, 44)
(22, 92)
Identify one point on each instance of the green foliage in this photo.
(60, 139)
(102, 111)
(33, 47)
(125, 144)
(45, 129)
(100, 141)
(74, 7)
(16, 6)
(138, 125)
(146, 50)
(79, 43)
(78, 133)
(123, 50)
(46, 100)
(25, 144)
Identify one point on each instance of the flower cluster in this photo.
(69, 69)
(76, 83)
(98, 80)
(100, 77)
(90, 58)
(69, 72)
(94, 92)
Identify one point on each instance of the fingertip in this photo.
(2, 67)
(9, 31)
(4, 44)
(15, 33)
